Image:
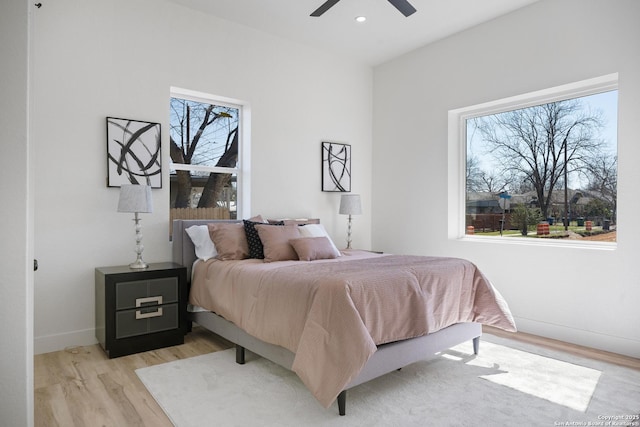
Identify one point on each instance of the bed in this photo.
(346, 327)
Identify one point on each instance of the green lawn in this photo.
(553, 229)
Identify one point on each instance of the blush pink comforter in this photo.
(332, 314)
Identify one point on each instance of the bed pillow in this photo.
(229, 240)
(312, 248)
(275, 241)
(201, 239)
(317, 230)
(256, 250)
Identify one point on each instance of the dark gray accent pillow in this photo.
(256, 249)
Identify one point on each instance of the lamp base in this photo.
(139, 264)
(349, 233)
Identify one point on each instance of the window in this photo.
(542, 165)
(209, 156)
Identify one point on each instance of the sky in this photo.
(606, 103)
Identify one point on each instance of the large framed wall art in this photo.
(336, 167)
(133, 153)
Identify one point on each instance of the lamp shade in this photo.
(350, 204)
(135, 198)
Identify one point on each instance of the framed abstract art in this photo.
(336, 167)
(133, 153)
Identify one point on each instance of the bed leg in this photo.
(239, 354)
(342, 402)
(476, 345)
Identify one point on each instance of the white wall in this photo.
(94, 59)
(16, 245)
(579, 295)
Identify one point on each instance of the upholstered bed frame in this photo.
(388, 357)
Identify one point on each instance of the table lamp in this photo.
(136, 199)
(350, 205)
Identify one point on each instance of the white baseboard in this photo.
(57, 342)
(613, 344)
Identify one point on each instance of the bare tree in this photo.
(479, 180)
(474, 174)
(493, 183)
(542, 143)
(602, 173)
(196, 130)
(217, 181)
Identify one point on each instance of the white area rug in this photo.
(507, 384)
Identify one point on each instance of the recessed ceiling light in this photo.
(361, 18)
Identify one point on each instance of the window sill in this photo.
(547, 243)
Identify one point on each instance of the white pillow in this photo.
(317, 230)
(201, 239)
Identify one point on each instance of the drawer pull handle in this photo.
(147, 300)
(140, 315)
(141, 301)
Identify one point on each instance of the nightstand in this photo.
(140, 310)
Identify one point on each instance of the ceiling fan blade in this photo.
(325, 6)
(403, 6)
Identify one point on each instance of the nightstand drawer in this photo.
(146, 320)
(141, 293)
(140, 310)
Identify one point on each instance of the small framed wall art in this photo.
(336, 167)
(133, 153)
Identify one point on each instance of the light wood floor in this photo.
(577, 350)
(81, 387)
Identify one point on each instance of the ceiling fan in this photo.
(402, 5)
